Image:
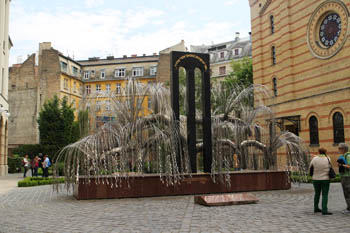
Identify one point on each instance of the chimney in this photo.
(44, 46)
(237, 36)
(125, 56)
(134, 55)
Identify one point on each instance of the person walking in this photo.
(26, 165)
(344, 171)
(321, 166)
(36, 165)
(46, 164)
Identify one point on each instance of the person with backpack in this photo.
(46, 164)
(344, 171)
(26, 165)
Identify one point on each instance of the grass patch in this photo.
(35, 181)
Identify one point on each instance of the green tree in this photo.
(56, 123)
(242, 74)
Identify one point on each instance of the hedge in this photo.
(35, 149)
(35, 181)
(15, 164)
(301, 179)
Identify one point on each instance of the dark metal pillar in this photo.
(207, 143)
(191, 118)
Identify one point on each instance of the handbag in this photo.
(332, 174)
(311, 172)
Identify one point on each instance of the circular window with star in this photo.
(328, 29)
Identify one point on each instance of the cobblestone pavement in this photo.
(40, 209)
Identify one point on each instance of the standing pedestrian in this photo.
(344, 171)
(320, 178)
(36, 165)
(46, 164)
(26, 165)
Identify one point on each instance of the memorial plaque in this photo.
(226, 199)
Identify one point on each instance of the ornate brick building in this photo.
(301, 52)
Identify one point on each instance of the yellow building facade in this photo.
(300, 51)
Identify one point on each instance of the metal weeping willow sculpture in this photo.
(143, 134)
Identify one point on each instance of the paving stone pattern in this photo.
(40, 209)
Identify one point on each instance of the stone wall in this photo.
(24, 103)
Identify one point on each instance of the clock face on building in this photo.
(328, 29)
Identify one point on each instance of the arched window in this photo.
(313, 126)
(338, 127)
(274, 87)
(273, 54)
(272, 22)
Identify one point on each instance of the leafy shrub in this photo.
(301, 179)
(14, 163)
(35, 149)
(35, 181)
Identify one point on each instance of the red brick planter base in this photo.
(151, 186)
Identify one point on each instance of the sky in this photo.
(99, 28)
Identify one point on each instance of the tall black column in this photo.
(191, 119)
(207, 144)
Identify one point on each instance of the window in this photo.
(88, 89)
(108, 105)
(273, 51)
(137, 71)
(65, 83)
(92, 72)
(108, 88)
(98, 88)
(118, 90)
(75, 87)
(86, 74)
(313, 125)
(102, 74)
(222, 70)
(139, 104)
(236, 52)
(81, 89)
(75, 71)
(98, 106)
(64, 66)
(13, 86)
(153, 70)
(149, 102)
(119, 73)
(272, 22)
(274, 87)
(338, 127)
(222, 55)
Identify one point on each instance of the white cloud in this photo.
(231, 2)
(108, 32)
(93, 3)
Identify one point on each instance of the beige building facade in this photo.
(301, 53)
(5, 45)
(39, 79)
